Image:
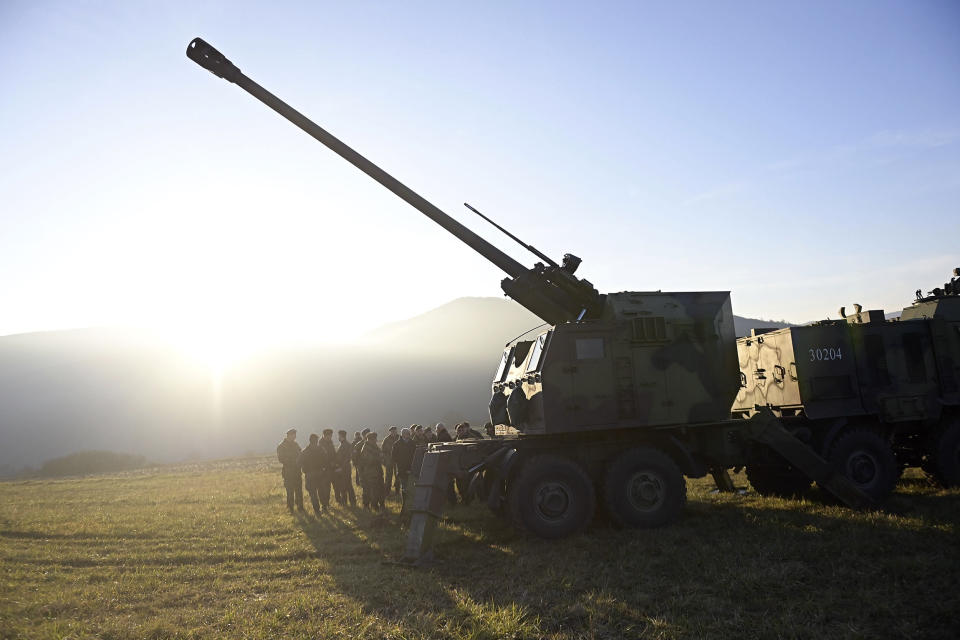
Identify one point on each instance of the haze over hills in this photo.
(128, 391)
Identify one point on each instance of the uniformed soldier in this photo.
(428, 434)
(442, 434)
(371, 473)
(342, 481)
(388, 463)
(418, 436)
(466, 432)
(328, 456)
(403, 452)
(355, 450)
(312, 464)
(357, 445)
(288, 453)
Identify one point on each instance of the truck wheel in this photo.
(942, 463)
(867, 460)
(782, 480)
(551, 497)
(644, 488)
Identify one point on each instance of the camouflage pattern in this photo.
(650, 359)
(902, 370)
(899, 378)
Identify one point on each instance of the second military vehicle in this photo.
(869, 394)
(622, 397)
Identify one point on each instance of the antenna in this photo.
(525, 333)
(523, 244)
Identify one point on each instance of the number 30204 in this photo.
(819, 354)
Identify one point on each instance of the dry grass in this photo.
(210, 551)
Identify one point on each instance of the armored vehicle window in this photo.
(649, 329)
(537, 355)
(877, 359)
(502, 369)
(520, 351)
(589, 348)
(913, 351)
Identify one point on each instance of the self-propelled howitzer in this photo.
(624, 395)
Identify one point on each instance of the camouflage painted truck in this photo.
(871, 395)
(624, 395)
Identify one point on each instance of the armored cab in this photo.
(649, 359)
(896, 379)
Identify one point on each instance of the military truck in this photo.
(872, 394)
(624, 395)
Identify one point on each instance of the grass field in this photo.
(210, 551)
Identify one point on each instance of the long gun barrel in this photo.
(552, 292)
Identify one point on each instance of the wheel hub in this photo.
(552, 500)
(646, 490)
(862, 467)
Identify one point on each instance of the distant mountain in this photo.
(742, 326)
(478, 327)
(105, 389)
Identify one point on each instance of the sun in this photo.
(216, 347)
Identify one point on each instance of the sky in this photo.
(804, 156)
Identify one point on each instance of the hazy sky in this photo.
(802, 155)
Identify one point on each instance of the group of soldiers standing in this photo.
(377, 469)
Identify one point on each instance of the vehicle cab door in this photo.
(592, 398)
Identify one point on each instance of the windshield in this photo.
(537, 355)
(502, 369)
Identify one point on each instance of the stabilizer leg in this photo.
(426, 508)
(767, 430)
(723, 480)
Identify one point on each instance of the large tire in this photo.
(773, 479)
(551, 497)
(645, 488)
(866, 459)
(942, 462)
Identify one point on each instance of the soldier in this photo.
(311, 463)
(329, 457)
(429, 434)
(403, 459)
(418, 436)
(465, 432)
(342, 482)
(359, 439)
(288, 453)
(953, 287)
(442, 434)
(371, 473)
(387, 448)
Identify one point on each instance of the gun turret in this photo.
(552, 292)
